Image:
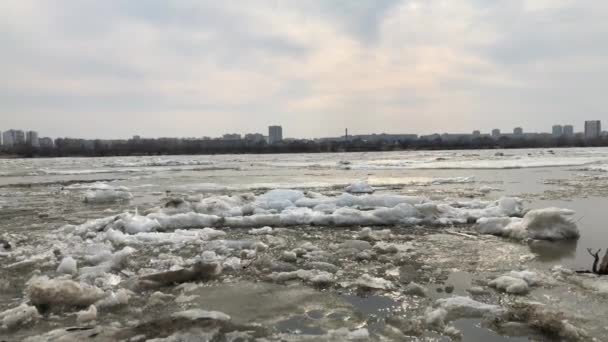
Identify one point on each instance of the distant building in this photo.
(568, 130)
(137, 137)
(557, 130)
(476, 133)
(496, 133)
(593, 129)
(32, 138)
(232, 136)
(13, 137)
(518, 131)
(275, 134)
(255, 137)
(46, 142)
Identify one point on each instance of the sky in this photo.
(193, 68)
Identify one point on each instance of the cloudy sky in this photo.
(114, 68)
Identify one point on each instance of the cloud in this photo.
(195, 68)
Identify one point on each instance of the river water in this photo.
(314, 272)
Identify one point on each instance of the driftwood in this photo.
(603, 266)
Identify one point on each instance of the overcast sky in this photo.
(114, 68)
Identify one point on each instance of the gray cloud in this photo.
(195, 68)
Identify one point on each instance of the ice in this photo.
(314, 277)
(115, 298)
(360, 187)
(415, 290)
(62, 292)
(368, 233)
(195, 314)
(510, 285)
(494, 225)
(87, 316)
(541, 224)
(261, 231)
(288, 256)
(133, 224)
(186, 220)
(107, 196)
(368, 282)
(21, 315)
(550, 224)
(465, 307)
(453, 180)
(68, 266)
(343, 334)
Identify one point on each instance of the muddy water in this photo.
(39, 196)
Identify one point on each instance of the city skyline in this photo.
(591, 129)
(204, 68)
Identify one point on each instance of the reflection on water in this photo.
(548, 251)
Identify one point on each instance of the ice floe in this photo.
(541, 224)
(360, 187)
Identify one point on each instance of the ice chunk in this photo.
(343, 334)
(360, 187)
(21, 315)
(550, 224)
(465, 307)
(261, 231)
(195, 314)
(87, 316)
(314, 277)
(60, 292)
(186, 220)
(107, 196)
(68, 266)
(368, 282)
(368, 233)
(120, 297)
(510, 285)
(541, 224)
(436, 317)
(494, 225)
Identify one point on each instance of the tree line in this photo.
(66, 147)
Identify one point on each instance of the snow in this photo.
(87, 316)
(195, 314)
(360, 187)
(67, 266)
(21, 315)
(45, 291)
(540, 224)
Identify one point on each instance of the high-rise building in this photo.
(13, 137)
(496, 133)
(593, 128)
(557, 130)
(32, 138)
(46, 142)
(231, 136)
(518, 131)
(275, 134)
(568, 130)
